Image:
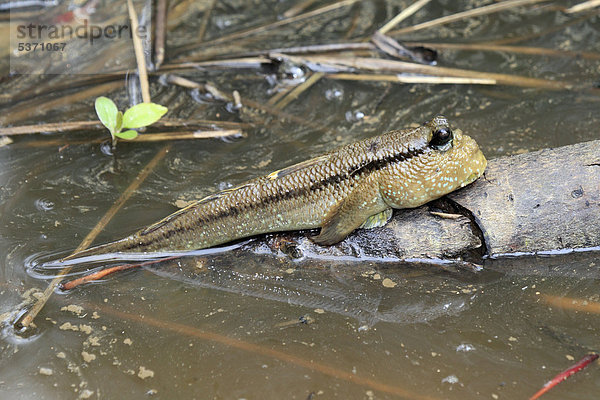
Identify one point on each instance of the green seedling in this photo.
(138, 116)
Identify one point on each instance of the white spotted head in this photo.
(445, 160)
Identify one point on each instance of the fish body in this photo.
(355, 185)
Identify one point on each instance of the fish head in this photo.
(444, 159)
(454, 159)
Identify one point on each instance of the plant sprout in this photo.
(138, 116)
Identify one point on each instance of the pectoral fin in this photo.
(349, 214)
(377, 220)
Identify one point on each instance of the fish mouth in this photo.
(470, 179)
(481, 163)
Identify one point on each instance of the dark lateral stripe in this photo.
(366, 167)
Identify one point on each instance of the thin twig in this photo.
(146, 137)
(162, 136)
(50, 128)
(298, 8)
(28, 317)
(246, 62)
(283, 115)
(139, 54)
(407, 12)
(581, 364)
(489, 9)
(264, 351)
(256, 58)
(84, 125)
(586, 5)
(298, 90)
(440, 80)
(279, 95)
(160, 33)
(552, 29)
(205, 19)
(317, 48)
(536, 51)
(22, 111)
(178, 123)
(279, 23)
(189, 84)
(356, 17)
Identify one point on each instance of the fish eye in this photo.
(441, 139)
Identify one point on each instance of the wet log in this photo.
(539, 202)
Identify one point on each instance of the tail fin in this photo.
(112, 247)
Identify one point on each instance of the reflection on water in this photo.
(238, 324)
(353, 290)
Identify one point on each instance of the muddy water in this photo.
(241, 325)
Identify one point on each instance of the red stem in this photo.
(584, 362)
(94, 276)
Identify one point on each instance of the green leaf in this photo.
(143, 114)
(107, 113)
(119, 122)
(127, 135)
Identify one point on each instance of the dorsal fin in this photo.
(280, 173)
(178, 213)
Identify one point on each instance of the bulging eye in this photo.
(441, 139)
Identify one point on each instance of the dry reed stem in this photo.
(298, 8)
(264, 351)
(489, 9)
(24, 111)
(586, 5)
(407, 12)
(205, 19)
(82, 125)
(176, 123)
(162, 136)
(545, 32)
(283, 115)
(298, 90)
(139, 54)
(28, 317)
(55, 87)
(52, 127)
(160, 33)
(244, 62)
(282, 22)
(379, 65)
(536, 51)
(279, 95)
(441, 80)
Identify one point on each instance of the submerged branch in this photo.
(29, 316)
(266, 351)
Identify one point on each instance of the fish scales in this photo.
(357, 184)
